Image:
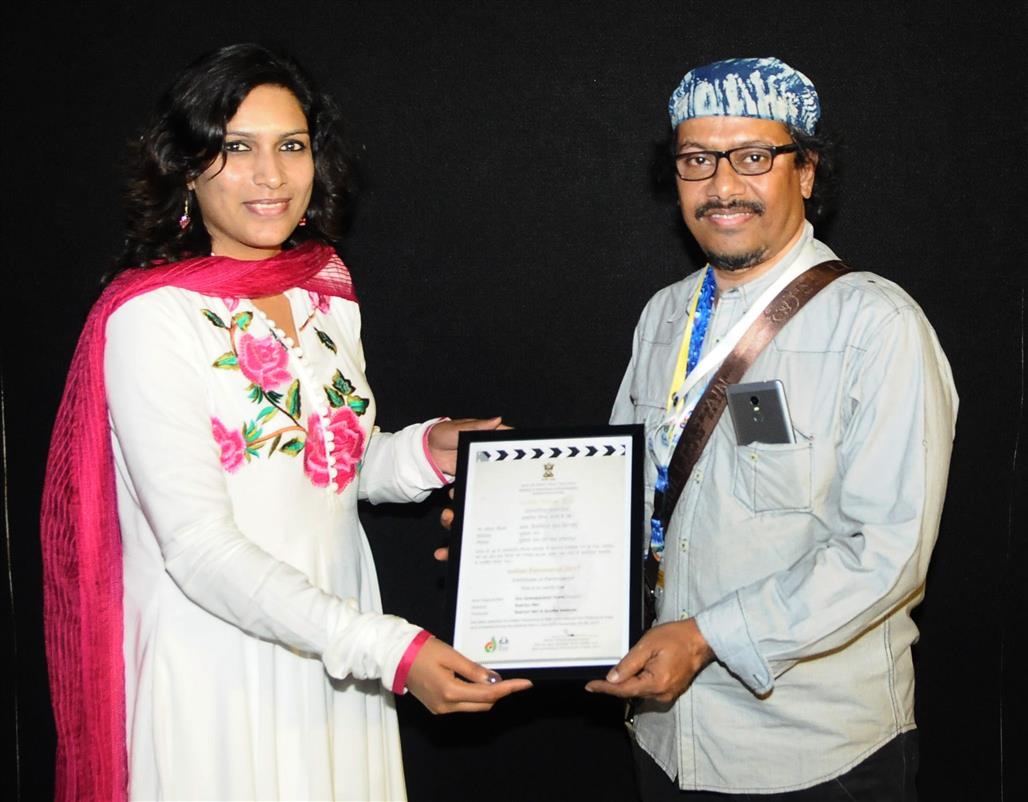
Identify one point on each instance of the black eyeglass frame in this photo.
(718, 155)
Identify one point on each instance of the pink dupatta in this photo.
(81, 539)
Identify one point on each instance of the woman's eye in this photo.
(236, 146)
(294, 145)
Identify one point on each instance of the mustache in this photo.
(706, 208)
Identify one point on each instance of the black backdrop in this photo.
(504, 246)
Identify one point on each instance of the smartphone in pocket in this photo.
(760, 413)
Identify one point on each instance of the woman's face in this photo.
(252, 202)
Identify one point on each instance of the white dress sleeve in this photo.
(170, 462)
(397, 467)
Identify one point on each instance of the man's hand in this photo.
(435, 679)
(661, 665)
(442, 439)
(442, 554)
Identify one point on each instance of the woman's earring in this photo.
(184, 220)
(303, 221)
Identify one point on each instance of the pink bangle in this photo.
(428, 453)
(402, 670)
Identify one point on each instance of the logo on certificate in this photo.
(493, 645)
(547, 470)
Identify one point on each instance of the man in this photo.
(780, 663)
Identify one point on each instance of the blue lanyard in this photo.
(695, 332)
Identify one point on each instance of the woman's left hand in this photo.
(442, 439)
(436, 680)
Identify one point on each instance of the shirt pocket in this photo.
(775, 477)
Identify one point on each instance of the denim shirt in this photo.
(800, 562)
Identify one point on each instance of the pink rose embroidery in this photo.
(347, 448)
(233, 447)
(230, 303)
(263, 361)
(321, 302)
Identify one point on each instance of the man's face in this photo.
(739, 221)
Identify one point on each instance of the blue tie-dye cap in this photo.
(765, 88)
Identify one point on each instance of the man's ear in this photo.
(807, 172)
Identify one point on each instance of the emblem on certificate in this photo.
(546, 557)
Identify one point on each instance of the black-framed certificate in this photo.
(546, 556)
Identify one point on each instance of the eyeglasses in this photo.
(696, 165)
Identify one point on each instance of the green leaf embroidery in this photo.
(292, 447)
(242, 319)
(217, 321)
(293, 398)
(335, 398)
(274, 444)
(326, 340)
(342, 393)
(252, 452)
(227, 361)
(255, 393)
(274, 396)
(341, 383)
(357, 404)
(251, 431)
(265, 414)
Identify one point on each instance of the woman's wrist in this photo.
(409, 656)
(442, 477)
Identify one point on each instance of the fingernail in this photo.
(613, 676)
(493, 678)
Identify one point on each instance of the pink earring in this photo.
(184, 220)
(303, 221)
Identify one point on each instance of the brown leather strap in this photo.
(712, 403)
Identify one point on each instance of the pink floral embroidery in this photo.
(230, 303)
(347, 448)
(321, 302)
(233, 447)
(263, 361)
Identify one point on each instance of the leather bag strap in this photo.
(711, 405)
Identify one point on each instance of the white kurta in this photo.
(257, 661)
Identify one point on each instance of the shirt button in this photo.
(684, 545)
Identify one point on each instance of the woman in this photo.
(212, 607)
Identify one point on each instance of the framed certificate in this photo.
(546, 556)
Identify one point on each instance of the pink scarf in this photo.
(81, 540)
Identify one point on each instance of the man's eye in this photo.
(754, 156)
(696, 159)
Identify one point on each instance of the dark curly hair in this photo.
(819, 148)
(186, 133)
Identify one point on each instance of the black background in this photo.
(506, 243)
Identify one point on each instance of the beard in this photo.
(733, 261)
(736, 261)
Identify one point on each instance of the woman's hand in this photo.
(442, 439)
(442, 443)
(435, 679)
